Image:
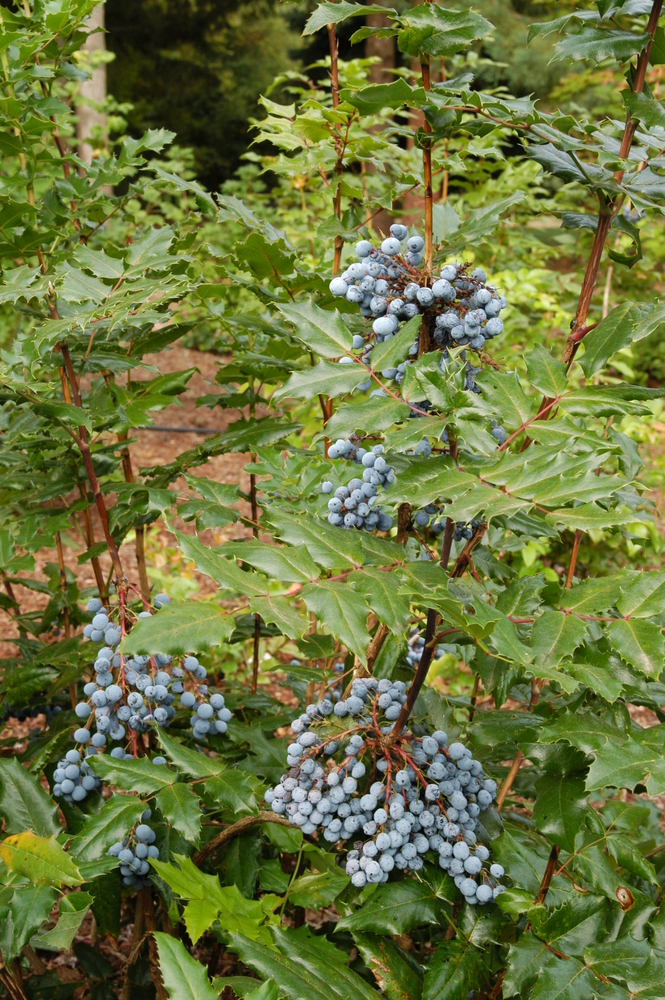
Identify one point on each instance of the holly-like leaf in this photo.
(183, 976)
(382, 594)
(342, 611)
(395, 908)
(560, 808)
(180, 807)
(597, 44)
(137, 775)
(640, 643)
(456, 969)
(101, 830)
(23, 803)
(289, 564)
(42, 860)
(179, 628)
(324, 379)
(333, 13)
(73, 909)
(436, 31)
(555, 636)
(397, 973)
(320, 330)
(546, 373)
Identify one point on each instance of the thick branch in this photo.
(233, 831)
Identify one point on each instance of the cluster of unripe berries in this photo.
(73, 779)
(386, 285)
(133, 852)
(427, 803)
(354, 506)
(136, 693)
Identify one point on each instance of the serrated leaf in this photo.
(330, 549)
(560, 808)
(194, 763)
(313, 978)
(324, 379)
(598, 44)
(439, 32)
(373, 99)
(506, 396)
(394, 908)
(101, 830)
(23, 803)
(28, 909)
(397, 973)
(321, 330)
(180, 807)
(555, 636)
(546, 373)
(137, 775)
(381, 592)
(183, 976)
(73, 908)
(41, 860)
(333, 13)
(223, 571)
(340, 610)
(629, 321)
(179, 628)
(279, 611)
(393, 351)
(589, 517)
(640, 643)
(456, 969)
(377, 414)
(292, 564)
(644, 596)
(317, 889)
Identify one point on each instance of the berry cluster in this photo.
(386, 285)
(354, 506)
(427, 803)
(133, 852)
(135, 693)
(73, 778)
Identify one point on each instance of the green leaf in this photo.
(377, 414)
(279, 611)
(373, 99)
(597, 44)
(264, 258)
(324, 379)
(23, 803)
(392, 351)
(29, 908)
(628, 322)
(381, 592)
(318, 889)
(333, 13)
(506, 396)
(231, 790)
(101, 830)
(644, 596)
(223, 571)
(555, 636)
(559, 980)
(398, 975)
(593, 595)
(640, 643)
(560, 808)
(238, 862)
(289, 565)
(73, 909)
(183, 977)
(394, 908)
(332, 550)
(589, 517)
(546, 373)
(456, 969)
(180, 807)
(341, 610)
(302, 978)
(138, 775)
(195, 763)
(179, 628)
(439, 32)
(40, 859)
(481, 223)
(322, 331)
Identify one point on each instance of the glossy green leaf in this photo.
(394, 908)
(398, 974)
(560, 808)
(320, 330)
(183, 976)
(23, 803)
(180, 807)
(179, 628)
(324, 379)
(342, 611)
